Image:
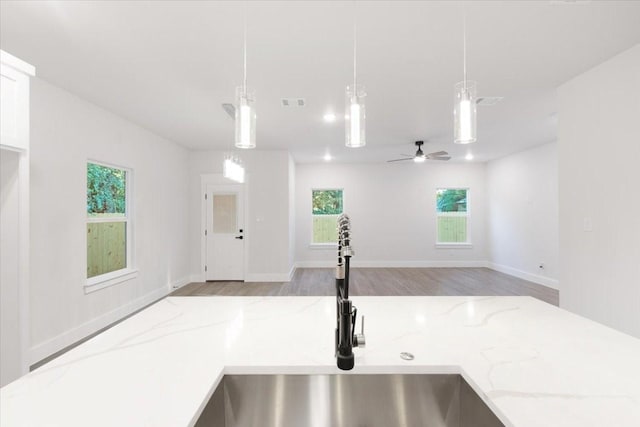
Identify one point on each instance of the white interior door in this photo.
(225, 232)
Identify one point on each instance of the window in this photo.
(108, 223)
(326, 207)
(452, 215)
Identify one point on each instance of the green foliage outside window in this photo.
(106, 239)
(451, 200)
(451, 205)
(325, 208)
(326, 202)
(106, 190)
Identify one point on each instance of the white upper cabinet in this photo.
(14, 98)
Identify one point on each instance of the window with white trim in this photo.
(326, 206)
(452, 211)
(108, 222)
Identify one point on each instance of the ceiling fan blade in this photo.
(438, 153)
(439, 158)
(399, 160)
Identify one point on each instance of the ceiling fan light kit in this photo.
(419, 157)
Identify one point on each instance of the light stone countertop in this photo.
(535, 365)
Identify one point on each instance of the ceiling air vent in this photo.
(293, 102)
(230, 109)
(488, 100)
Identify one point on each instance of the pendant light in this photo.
(245, 104)
(464, 113)
(354, 104)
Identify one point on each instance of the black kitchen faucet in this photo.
(346, 338)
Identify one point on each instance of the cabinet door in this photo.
(14, 113)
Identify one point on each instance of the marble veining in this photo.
(532, 363)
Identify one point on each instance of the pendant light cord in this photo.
(464, 49)
(244, 48)
(355, 49)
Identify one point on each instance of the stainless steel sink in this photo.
(346, 400)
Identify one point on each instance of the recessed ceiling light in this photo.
(327, 157)
(329, 117)
(469, 156)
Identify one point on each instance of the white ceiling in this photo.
(169, 66)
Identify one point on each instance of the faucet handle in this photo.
(359, 339)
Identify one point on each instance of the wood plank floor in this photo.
(382, 282)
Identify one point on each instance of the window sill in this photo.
(109, 279)
(332, 246)
(454, 246)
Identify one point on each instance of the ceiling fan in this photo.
(420, 157)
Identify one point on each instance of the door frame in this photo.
(219, 179)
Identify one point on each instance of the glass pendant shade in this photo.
(355, 116)
(232, 169)
(464, 113)
(245, 118)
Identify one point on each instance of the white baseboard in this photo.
(394, 264)
(179, 283)
(49, 347)
(535, 278)
(254, 277)
(294, 267)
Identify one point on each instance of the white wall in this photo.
(66, 131)
(292, 212)
(10, 340)
(392, 208)
(599, 175)
(523, 214)
(267, 226)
